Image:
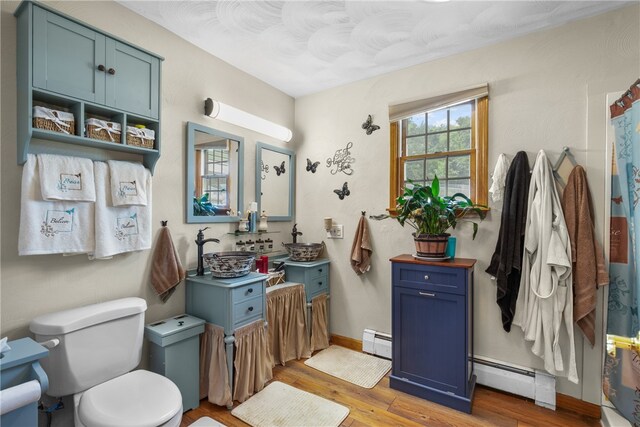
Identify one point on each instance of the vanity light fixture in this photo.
(229, 114)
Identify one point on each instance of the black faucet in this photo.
(295, 233)
(200, 241)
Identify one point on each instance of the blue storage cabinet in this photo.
(432, 330)
(67, 64)
(17, 366)
(175, 354)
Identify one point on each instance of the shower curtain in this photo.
(621, 382)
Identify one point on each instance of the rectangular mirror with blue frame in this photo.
(215, 174)
(275, 181)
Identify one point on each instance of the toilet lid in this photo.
(139, 398)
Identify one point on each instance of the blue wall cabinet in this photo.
(432, 330)
(19, 365)
(229, 303)
(175, 353)
(68, 65)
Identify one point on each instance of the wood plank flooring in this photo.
(383, 406)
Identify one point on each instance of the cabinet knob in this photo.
(101, 67)
(427, 294)
(249, 290)
(319, 283)
(250, 309)
(319, 270)
(426, 277)
(111, 71)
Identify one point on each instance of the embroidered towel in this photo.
(128, 183)
(361, 249)
(66, 178)
(499, 177)
(52, 227)
(166, 269)
(123, 228)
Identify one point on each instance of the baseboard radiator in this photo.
(530, 383)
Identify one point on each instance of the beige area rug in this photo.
(281, 405)
(357, 368)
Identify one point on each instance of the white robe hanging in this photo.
(545, 298)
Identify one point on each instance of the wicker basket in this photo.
(275, 278)
(103, 130)
(54, 120)
(140, 137)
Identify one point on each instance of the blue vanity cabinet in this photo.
(432, 330)
(70, 66)
(313, 274)
(229, 303)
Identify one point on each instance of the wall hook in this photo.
(164, 223)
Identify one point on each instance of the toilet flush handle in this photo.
(50, 343)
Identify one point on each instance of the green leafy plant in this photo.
(424, 209)
(202, 206)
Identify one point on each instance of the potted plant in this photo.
(432, 215)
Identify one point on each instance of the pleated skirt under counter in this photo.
(235, 335)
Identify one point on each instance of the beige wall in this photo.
(546, 90)
(34, 285)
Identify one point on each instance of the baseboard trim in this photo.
(346, 342)
(578, 406)
(562, 400)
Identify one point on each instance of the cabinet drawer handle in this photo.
(319, 270)
(319, 283)
(111, 71)
(426, 277)
(249, 290)
(427, 294)
(250, 309)
(101, 67)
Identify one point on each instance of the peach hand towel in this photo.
(361, 250)
(166, 269)
(589, 269)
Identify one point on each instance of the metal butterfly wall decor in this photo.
(369, 126)
(342, 192)
(280, 170)
(312, 166)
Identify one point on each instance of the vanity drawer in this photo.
(317, 272)
(318, 285)
(251, 290)
(441, 279)
(247, 310)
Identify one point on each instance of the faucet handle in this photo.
(201, 230)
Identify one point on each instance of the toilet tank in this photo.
(98, 342)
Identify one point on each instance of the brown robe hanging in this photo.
(589, 269)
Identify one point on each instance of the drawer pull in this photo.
(427, 294)
(319, 270)
(426, 277)
(250, 309)
(249, 290)
(101, 67)
(111, 71)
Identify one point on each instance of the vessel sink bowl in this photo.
(303, 251)
(229, 264)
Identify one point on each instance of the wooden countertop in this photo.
(455, 262)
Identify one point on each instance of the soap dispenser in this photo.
(263, 222)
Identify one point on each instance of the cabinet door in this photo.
(132, 79)
(429, 337)
(66, 56)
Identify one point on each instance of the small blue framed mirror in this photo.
(275, 181)
(215, 173)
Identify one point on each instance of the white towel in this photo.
(128, 183)
(66, 178)
(123, 228)
(499, 178)
(52, 227)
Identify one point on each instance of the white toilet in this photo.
(98, 347)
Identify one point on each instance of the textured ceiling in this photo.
(302, 47)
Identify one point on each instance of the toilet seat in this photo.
(139, 398)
